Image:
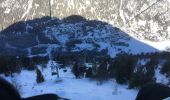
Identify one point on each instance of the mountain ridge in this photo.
(43, 35)
(145, 19)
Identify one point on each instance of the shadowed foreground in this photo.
(153, 92)
(8, 92)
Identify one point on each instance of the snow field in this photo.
(69, 87)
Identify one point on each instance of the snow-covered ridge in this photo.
(71, 34)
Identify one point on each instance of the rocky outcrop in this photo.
(146, 19)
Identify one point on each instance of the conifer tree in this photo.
(75, 70)
(40, 77)
(89, 73)
(102, 72)
(166, 68)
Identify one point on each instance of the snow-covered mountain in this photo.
(109, 27)
(145, 19)
(70, 34)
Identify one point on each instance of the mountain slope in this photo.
(70, 34)
(145, 19)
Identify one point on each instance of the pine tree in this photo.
(124, 66)
(140, 77)
(137, 78)
(166, 68)
(75, 70)
(89, 73)
(102, 72)
(12, 61)
(112, 70)
(40, 77)
(18, 65)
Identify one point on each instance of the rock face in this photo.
(146, 19)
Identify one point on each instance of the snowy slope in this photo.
(71, 34)
(69, 87)
(161, 46)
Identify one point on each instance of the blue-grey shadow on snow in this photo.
(69, 35)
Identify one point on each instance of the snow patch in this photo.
(84, 46)
(30, 3)
(7, 11)
(88, 2)
(160, 78)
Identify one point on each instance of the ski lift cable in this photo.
(142, 12)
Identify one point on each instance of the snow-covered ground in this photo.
(161, 46)
(69, 87)
(160, 78)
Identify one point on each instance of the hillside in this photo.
(44, 35)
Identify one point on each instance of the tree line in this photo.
(134, 70)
